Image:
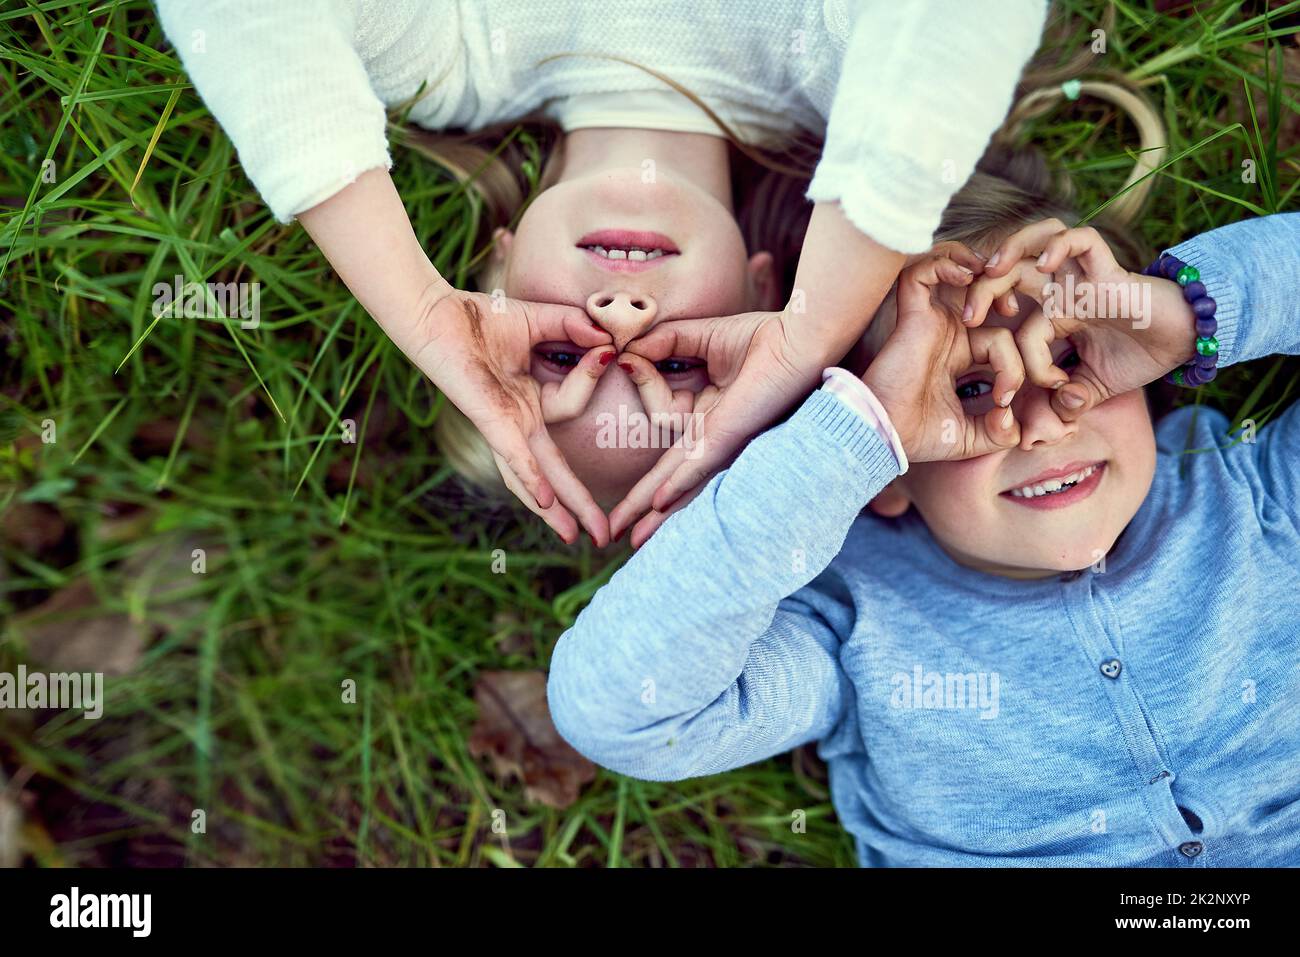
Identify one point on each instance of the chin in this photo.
(1079, 556)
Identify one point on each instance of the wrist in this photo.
(1202, 366)
(1171, 321)
(434, 296)
(898, 424)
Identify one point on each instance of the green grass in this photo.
(330, 560)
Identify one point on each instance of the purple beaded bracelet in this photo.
(1204, 366)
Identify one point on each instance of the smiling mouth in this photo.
(625, 250)
(1058, 491)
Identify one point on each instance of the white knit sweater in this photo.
(905, 92)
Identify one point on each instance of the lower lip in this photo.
(625, 265)
(623, 238)
(1076, 493)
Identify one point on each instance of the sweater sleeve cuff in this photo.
(830, 415)
(858, 396)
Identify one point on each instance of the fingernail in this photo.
(620, 534)
(593, 540)
(1006, 398)
(968, 314)
(606, 358)
(965, 269)
(1070, 400)
(626, 366)
(1057, 385)
(1042, 260)
(996, 256)
(1006, 419)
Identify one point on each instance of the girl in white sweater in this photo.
(638, 226)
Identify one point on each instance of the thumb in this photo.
(1076, 397)
(996, 430)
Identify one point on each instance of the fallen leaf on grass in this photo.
(514, 730)
(71, 631)
(35, 528)
(66, 632)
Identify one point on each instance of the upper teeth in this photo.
(1053, 485)
(634, 253)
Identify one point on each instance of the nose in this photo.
(624, 315)
(1039, 423)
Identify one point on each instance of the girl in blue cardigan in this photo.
(1064, 635)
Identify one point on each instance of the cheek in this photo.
(530, 271)
(1124, 423)
(950, 493)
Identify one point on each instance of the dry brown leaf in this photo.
(70, 630)
(33, 527)
(514, 731)
(66, 632)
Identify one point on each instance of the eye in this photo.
(677, 366)
(976, 394)
(559, 357)
(1069, 358)
(569, 359)
(971, 389)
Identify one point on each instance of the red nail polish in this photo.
(626, 366)
(606, 358)
(620, 534)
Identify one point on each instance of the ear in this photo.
(764, 282)
(492, 273)
(502, 239)
(892, 500)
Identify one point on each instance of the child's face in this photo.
(706, 272)
(969, 506)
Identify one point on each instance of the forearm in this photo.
(682, 664)
(364, 232)
(842, 278)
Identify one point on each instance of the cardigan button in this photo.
(1111, 668)
(1191, 848)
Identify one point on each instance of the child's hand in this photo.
(1128, 329)
(914, 374)
(478, 350)
(727, 344)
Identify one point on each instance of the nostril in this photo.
(638, 304)
(603, 302)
